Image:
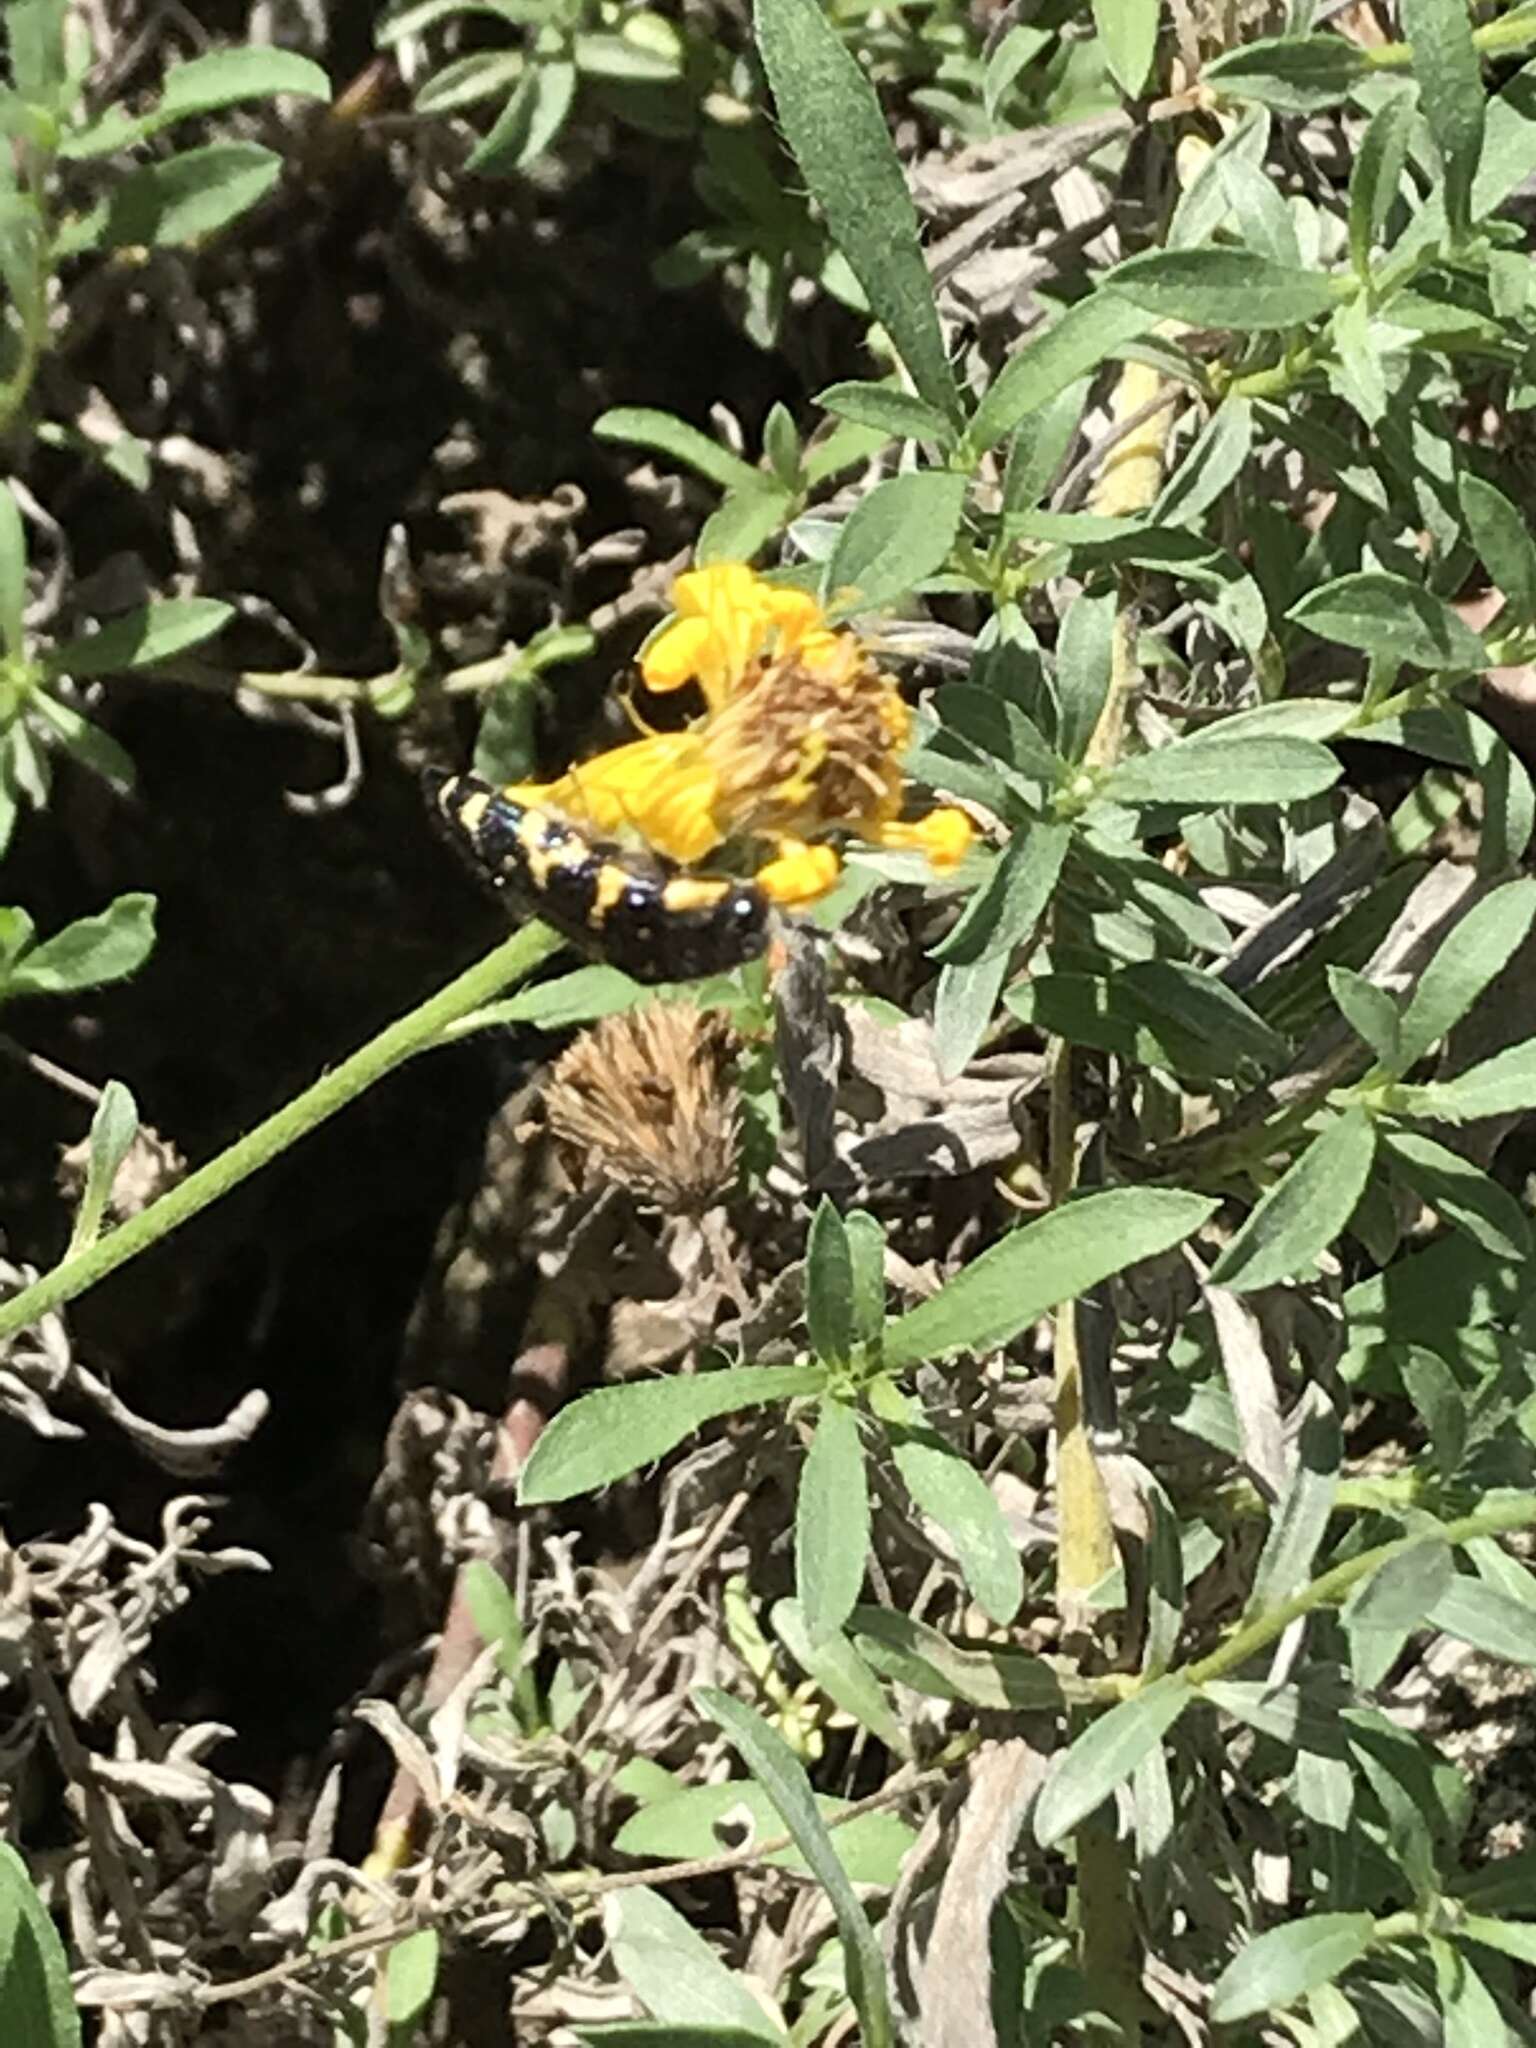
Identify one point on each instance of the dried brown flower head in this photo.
(648, 1100)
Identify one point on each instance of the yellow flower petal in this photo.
(673, 657)
(945, 836)
(801, 873)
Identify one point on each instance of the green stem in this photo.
(420, 1028)
(1336, 1585)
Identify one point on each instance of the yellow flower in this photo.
(802, 736)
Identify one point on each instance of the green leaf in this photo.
(410, 1976)
(1509, 1938)
(1290, 74)
(950, 1491)
(1501, 537)
(223, 78)
(1127, 30)
(1206, 769)
(843, 1675)
(13, 572)
(643, 426)
(529, 123)
(1497, 1087)
(1378, 172)
(36, 2003)
(1067, 1253)
(995, 1678)
(113, 1130)
(1216, 287)
(1300, 1521)
(1477, 948)
(493, 1609)
(1445, 63)
(831, 1522)
(1491, 1621)
(963, 1008)
(617, 1429)
(153, 632)
(1044, 365)
(997, 726)
(866, 1259)
(576, 998)
(897, 535)
(779, 1771)
(829, 1286)
(1105, 1754)
(675, 1973)
(1012, 900)
(87, 743)
(1304, 1211)
(1401, 1593)
(466, 81)
(190, 196)
(1470, 2010)
(625, 59)
(1279, 1967)
(1210, 468)
(743, 523)
(894, 412)
(1388, 616)
(1466, 1197)
(1084, 656)
(113, 944)
(688, 1825)
(835, 128)
(1370, 1012)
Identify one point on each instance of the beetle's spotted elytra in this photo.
(636, 911)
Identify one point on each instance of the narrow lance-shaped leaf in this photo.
(1084, 660)
(617, 1429)
(13, 572)
(1502, 1086)
(1012, 1284)
(1473, 952)
(949, 1489)
(1502, 537)
(844, 1675)
(1291, 74)
(779, 1771)
(1012, 900)
(675, 1973)
(1388, 616)
(1278, 1968)
(113, 1130)
(1206, 770)
(896, 413)
(1304, 1211)
(963, 1009)
(189, 196)
(831, 1522)
(1300, 1520)
(154, 632)
(837, 132)
(1370, 1012)
(1377, 174)
(1042, 367)
(92, 950)
(1215, 287)
(1445, 63)
(897, 535)
(1467, 1198)
(667, 435)
(829, 1285)
(1105, 1754)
